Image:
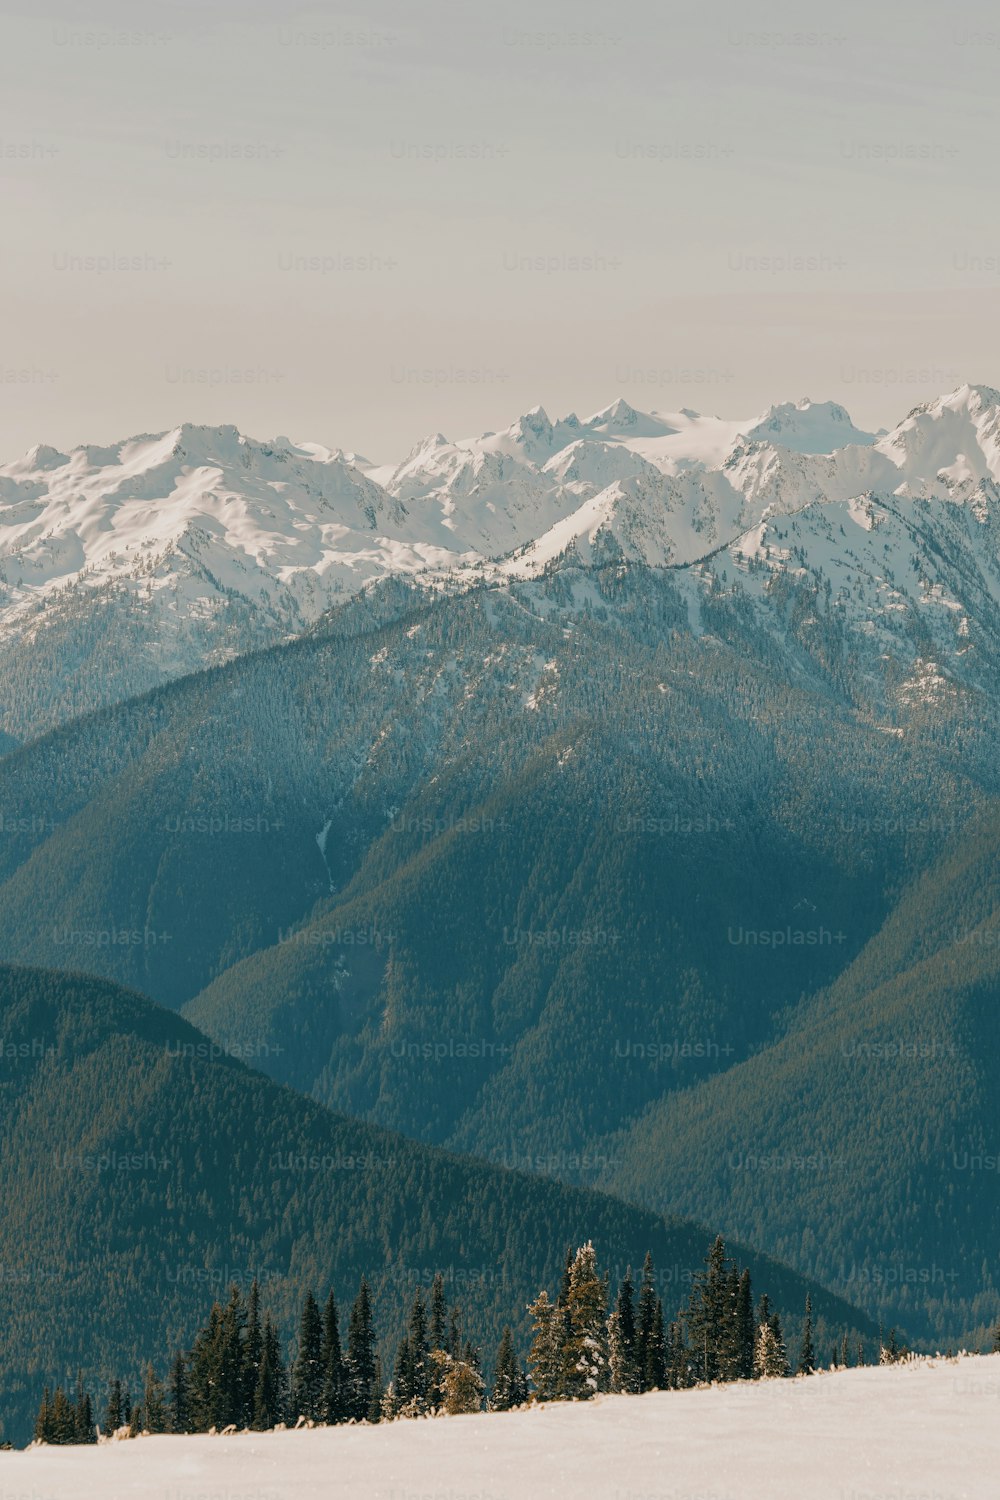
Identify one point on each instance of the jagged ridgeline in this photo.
(141, 1174)
(125, 565)
(508, 870)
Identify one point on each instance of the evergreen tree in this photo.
(64, 1418)
(890, 1353)
(86, 1419)
(83, 1415)
(624, 1373)
(271, 1396)
(712, 1317)
(655, 1373)
(361, 1357)
(454, 1333)
(398, 1397)
(565, 1279)
(728, 1342)
(307, 1374)
(206, 1387)
(438, 1344)
(545, 1358)
(769, 1356)
(646, 1317)
(419, 1364)
(177, 1395)
(60, 1422)
(678, 1364)
(231, 1395)
(374, 1412)
(55, 1420)
(154, 1404)
(113, 1417)
(745, 1331)
(807, 1354)
(438, 1330)
(334, 1399)
(438, 1361)
(43, 1418)
(585, 1352)
(463, 1387)
(568, 1375)
(136, 1420)
(253, 1348)
(510, 1385)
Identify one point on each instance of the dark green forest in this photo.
(549, 876)
(143, 1173)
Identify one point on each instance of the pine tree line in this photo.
(235, 1375)
(578, 1349)
(61, 1420)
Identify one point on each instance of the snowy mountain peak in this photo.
(535, 422)
(42, 457)
(973, 398)
(618, 414)
(200, 433)
(969, 400)
(533, 437)
(621, 419)
(952, 443)
(436, 440)
(807, 426)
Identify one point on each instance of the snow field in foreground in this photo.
(926, 1431)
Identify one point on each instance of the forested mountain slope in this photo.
(142, 1172)
(862, 1145)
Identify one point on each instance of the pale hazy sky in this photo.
(360, 227)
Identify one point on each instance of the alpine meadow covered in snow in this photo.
(499, 901)
(850, 1435)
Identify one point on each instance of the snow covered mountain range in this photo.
(124, 566)
(663, 677)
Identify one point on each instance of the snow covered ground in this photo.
(926, 1431)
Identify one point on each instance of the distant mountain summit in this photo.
(809, 427)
